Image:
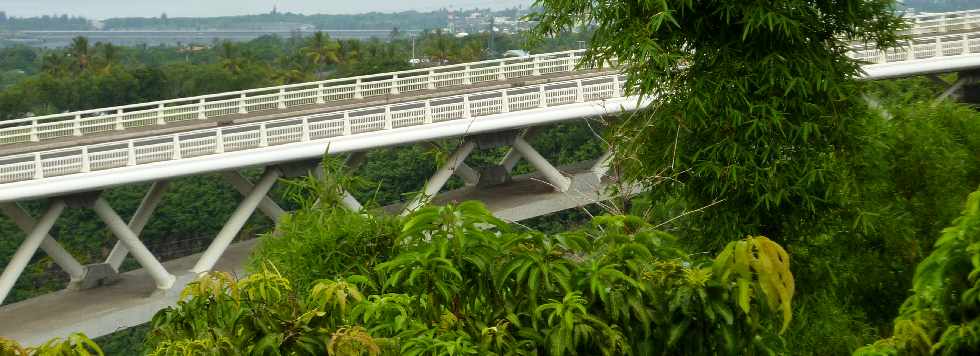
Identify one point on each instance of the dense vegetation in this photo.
(456, 280)
(763, 133)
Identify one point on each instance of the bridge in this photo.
(68, 159)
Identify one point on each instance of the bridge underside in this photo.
(134, 299)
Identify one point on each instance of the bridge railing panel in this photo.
(102, 120)
(921, 48)
(187, 145)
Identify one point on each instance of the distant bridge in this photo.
(69, 158)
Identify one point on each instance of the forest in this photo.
(784, 212)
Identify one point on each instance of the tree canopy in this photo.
(754, 100)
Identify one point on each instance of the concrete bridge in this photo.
(68, 159)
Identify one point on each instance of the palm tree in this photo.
(230, 59)
(320, 51)
(349, 51)
(56, 64)
(79, 49)
(110, 55)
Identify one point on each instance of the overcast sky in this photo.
(101, 9)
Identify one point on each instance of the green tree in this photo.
(80, 50)
(754, 100)
(321, 51)
(942, 318)
(230, 57)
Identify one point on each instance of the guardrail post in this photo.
(219, 142)
(347, 129)
(616, 92)
(543, 97)
(966, 43)
(282, 98)
(504, 102)
(939, 48)
(394, 84)
(119, 123)
(430, 80)
(319, 94)
(86, 164)
(130, 154)
(427, 113)
(466, 75)
(502, 71)
(77, 126)
(176, 147)
(882, 56)
(579, 92)
(357, 90)
(263, 135)
(200, 110)
(241, 104)
(535, 63)
(34, 137)
(160, 119)
(388, 124)
(305, 129)
(38, 166)
(466, 107)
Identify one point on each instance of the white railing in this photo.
(921, 48)
(315, 127)
(81, 123)
(925, 24)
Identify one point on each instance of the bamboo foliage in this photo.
(759, 267)
(941, 318)
(458, 281)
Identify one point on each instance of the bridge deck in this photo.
(295, 111)
(134, 299)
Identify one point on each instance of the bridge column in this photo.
(237, 220)
(439, 179)
(970, 93)
(61, 257)
(469, 175)
(139, 220)
(966, 88)
(164, 280)
(347, 200)
(30, 245)
(603, 164)
(513, 156)
(556, 178)
(267, 206)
